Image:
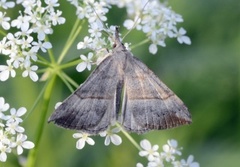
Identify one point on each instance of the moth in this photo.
(121, 89)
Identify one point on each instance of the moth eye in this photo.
(114, 45)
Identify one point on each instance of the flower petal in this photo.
(81, 66)
(116, 140)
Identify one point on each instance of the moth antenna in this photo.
(104, 25)
(135, 23)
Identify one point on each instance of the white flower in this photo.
(181, 37)
(139, 165)
(30, 55)
(157, 162)
(170, 150)
(153, 48)
(25, 30)
(26, 42)
(85, 44)
(4, 149)
(20, 21)
(5, 71)
(43, 46)
(83, 138)
(22, 143)
(4, 21)
(4, 138)
(3, 106)
(189, 162)
(148, 150)
(111, 136)
(86, 62)
(57, 105)
(31, 72)
(5, 5)
(83, 11)
(177, 164)
(16, 114)
(4, 46)
(95, 30)
(128, 24)
(42, 30)
(51, 4)
(56, 19)
(13, 127)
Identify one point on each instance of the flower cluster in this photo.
(153, 18)
(166, 157)
(110, 136)
(11, 133)
(157, 21)
(21, 48)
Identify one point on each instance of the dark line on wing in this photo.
(151, 97)
(92, 97)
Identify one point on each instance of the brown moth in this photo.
(125, 90)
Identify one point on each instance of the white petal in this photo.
(172, 143)
(20, 129)
(166, 148)
(47, 45)
(186, 40)
(145, 144)
(107, 141)
(143, 153)
(57, 105)
(90, 141)
(89, 66)
(6, 25)
(3, 157)
(190, 159)
(4, 75)
(117, 140)
(28, 145)
(13, 73)
(33, 76)
(103, 134)
(77, 135)
(139, 165)
(128, 24)
(81, 66)
(155, 147)
(83, 57)
(41, 36)
(19, 150)
(182, 31)
(80, 144)
(21, 111)
(153, 48)
(25, 73)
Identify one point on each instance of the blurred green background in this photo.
(205, 75)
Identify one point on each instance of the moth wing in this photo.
(91, 107)
(148, 103)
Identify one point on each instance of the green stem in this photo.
(70, 64)
(50, 52)
(46, 99)
(61, 75)
(3, 33)
(70, 80)
(74, 33)
(141, 43)
(129, 137)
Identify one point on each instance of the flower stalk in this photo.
(45, 105)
